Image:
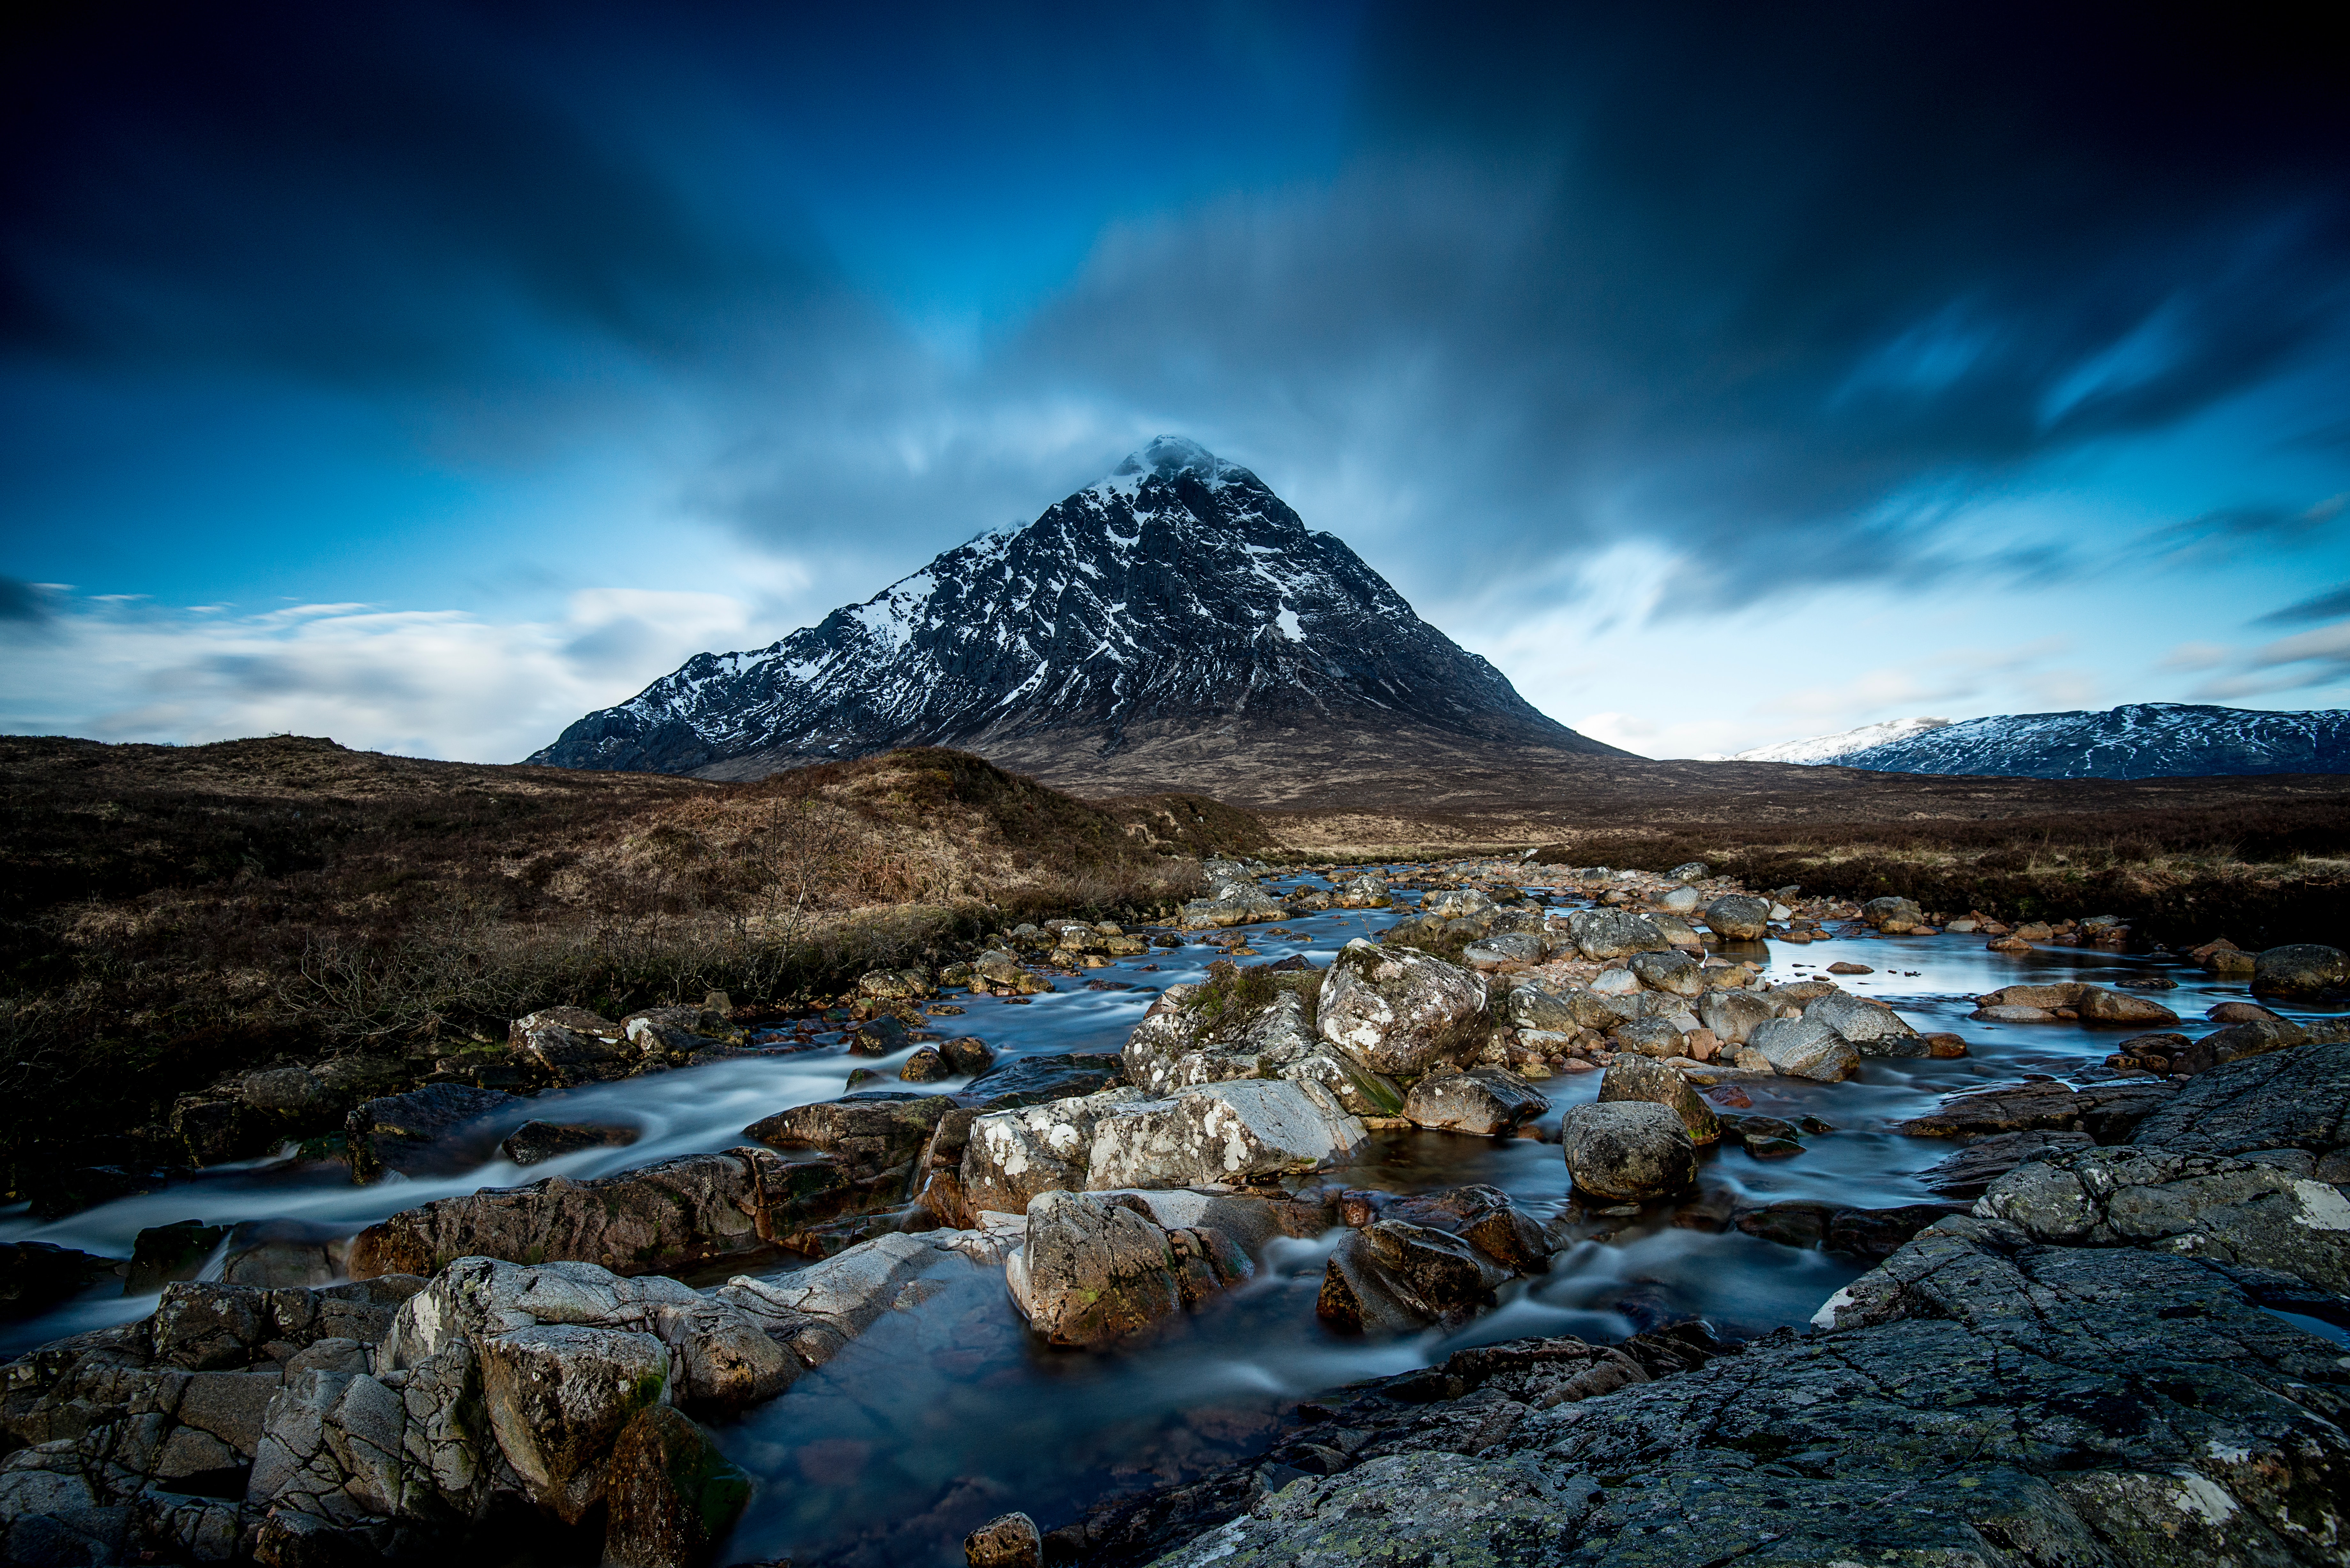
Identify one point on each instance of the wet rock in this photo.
(536, 1141)
(2097, 1004)
(419, 1132)
(1457, 904)
(881, 1036)
(2233, 1043)
(1655, 1037)
(1972, 1170)
(1011, 1539)
(1392, 1274)
(1093, 1271)
(1873, 1028)
(1491, 1102)
(661, 1216)
(1843, 967)
(572, 1045)
(2043, 1106)
(1036, 1080)
(1180, 1045)
(162, 1253)
(275, 1253)
(816, 1311)
(1240, 904)
(1734, 1015)
(1638, 1078)
(926, 1065)
(1366, 890)
(36, 1275)
(2204, 1206)
(1893, 914)
(1805, 1047)
(870, 1134)
(558, 1399)
(1601, 934)
(1555, 1011)
(2302, 969)
(967, 1055)
(1738, 918)
(295, 1094)
(1676, 974)
(896, 985)
(1503, 950)
(2297, 1099)
(1628, 1150)
(671, 1496)
(1395, 1011)
(1013, 1155)
(1680, 900)
(1231, 1132)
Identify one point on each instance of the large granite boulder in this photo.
(1183, 1043)
(1395, 1011)
(1640, 1078)
(1364, 890)
(1738, 918)
(2301, 968)
(1602, 934)
(1805, 1047)
(1013, 1155)
(1628, 1150)
(1095, 1269)
(1491, 1102)
(1239, 1131)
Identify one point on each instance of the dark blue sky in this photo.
(426, 375)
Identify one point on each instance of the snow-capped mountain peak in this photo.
(2136, 741)
(1177, 591)
(1827, 748)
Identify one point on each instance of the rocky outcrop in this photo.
(1232, 1132)
(2297, 1099)
(1181, 1043)
(1395, 1011)
(1094, 1269)
(1012, 1157)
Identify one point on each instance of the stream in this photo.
(941, 1418)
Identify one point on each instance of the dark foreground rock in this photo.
(1979, 1399)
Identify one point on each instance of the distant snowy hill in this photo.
(1828, 748)
(2141, 741)
(1177, 596)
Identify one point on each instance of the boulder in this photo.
(1394, 1276)
(1552, 1011)
(896, 985)
(1734, 1015)
(1503, 950)
(1873, 1028)
(2233, 1043)
(667, 1215)
(419, 1132)
(1628, 1150)
(1676, 974)
(2203, 1206)
(1231, 1132)
(536, 1141)
(1241, 904)
(1016, 1155)
(1366, 890)
(870, 1133)
(2302, 969)
(1639, 1078)
(1656, 1037)
(1094, 1269)
(1007, 1541)
(1492, 1102)
(559, 1397)
(1180, 1045)
(572, 1045)
(1034, 1080)
(816, 1311)
(1892, 914)
(1805, 1047)
(1680, 900)
(1394, 1011)
(1738, 918)
(1601, 934)
(968, 1055)
(670, 1495)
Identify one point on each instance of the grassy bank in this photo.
(169, 915)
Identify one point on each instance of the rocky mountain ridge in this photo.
(1178, 595)
(2137, 741)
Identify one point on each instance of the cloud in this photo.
(2308, 660)
(426, 683)
(23, 605)
(2333, 603)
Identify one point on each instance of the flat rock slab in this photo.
(2289, 1099)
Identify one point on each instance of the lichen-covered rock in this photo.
(816, 1311)
(1095, 1269)
(1734, 1015)
(1504, 949)
(1014, 1155)
(1983, 1161)
(1639, 1078)
(1892, 914)
(1179, 1045)
(1628, 1149)
(558, 1399)
(1555, 1011)
(871, 1133)
(2203, 1206)
(1805, 1047)
(1738, 918)
(1873, 1028)
(1673, 972)
(1492, 1102)
(1364, 890)
(2301, 968)
(1229, 1131)
(2296, 1099)
(1602, 934)
(1395, 1011)
(1007, 1541)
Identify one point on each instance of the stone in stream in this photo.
(1975, 1167)
(1628, 1150)
(1670, 971)
(870, 1134)
(1734, 1015)
(1492, 1102)
(896, 985)
(1013, 1156)
(2106, 1112)
(2096, 1003)
(1457, 904)
(534, 1141)
(1366, 890)
(1229, 1131)
(2302, 969)
(1036, 1080)
(572, 1045)
(671, 1496)
(1805, 1047)
(1639, 1078)
(1873, 1028)
(666, 1215)
(1394, 1011)
(1602, 934)
(968, 1055)
(558, 1396)
(1181, 1043)
(419, 1131)
(1393, 1276)
(1738, 918)
(1893, 914)
(2256, 1037)
(1655, 1037)
(2202, 1206)
(1240, 904)
(2288, 1100)
(1503, 950)
(926, 1065)
(814, 1312)
(1094, 1269)
(1552, 1011)
(1007, 1541)
(162, 1253)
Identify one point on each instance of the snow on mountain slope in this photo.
(1828, 748)
(2144, 739)
(1179, 589)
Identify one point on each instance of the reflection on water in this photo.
(941, 1418)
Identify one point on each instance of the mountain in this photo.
(1829, 748)
(2142, 741)
(1175, 616)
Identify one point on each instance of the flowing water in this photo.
(940, 1418)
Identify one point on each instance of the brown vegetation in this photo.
(168, 914)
